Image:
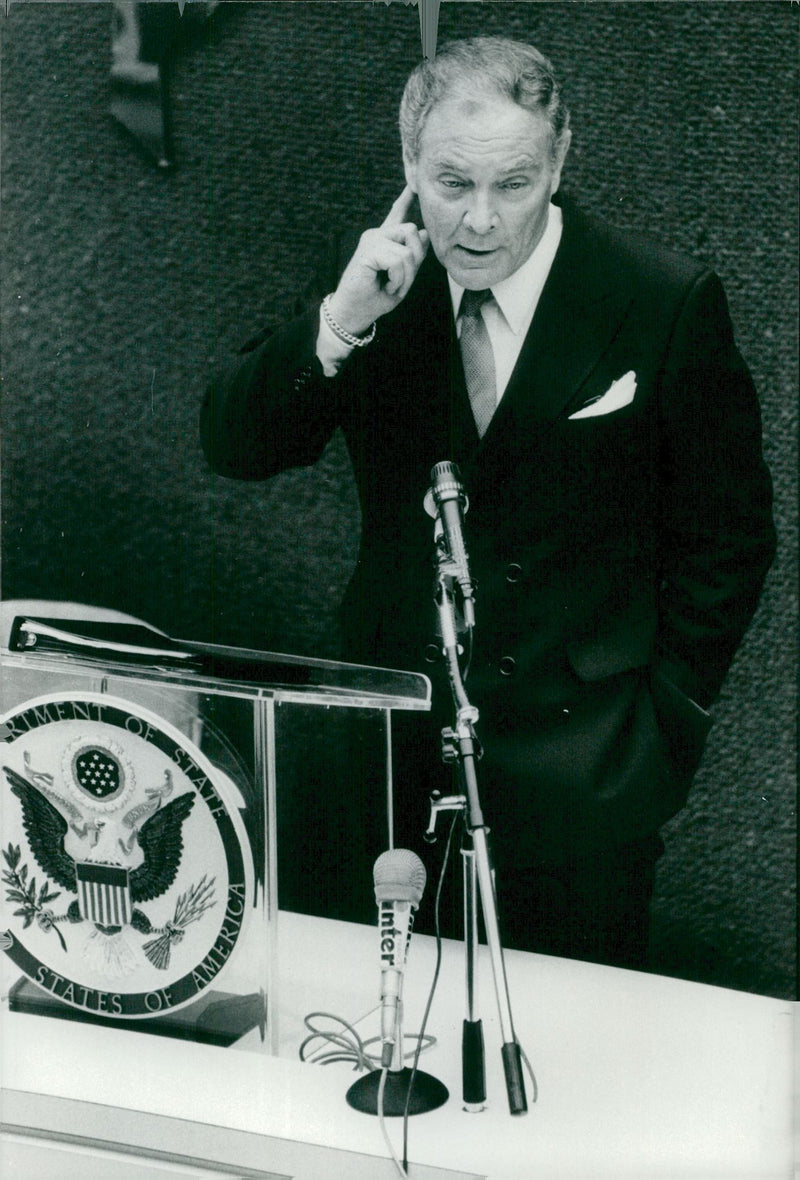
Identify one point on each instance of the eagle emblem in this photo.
(91, 835)
(127, 882)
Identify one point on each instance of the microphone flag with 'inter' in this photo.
(399, 878)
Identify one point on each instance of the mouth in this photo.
(472, 252)
(472, 256)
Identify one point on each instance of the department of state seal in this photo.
(126, 871)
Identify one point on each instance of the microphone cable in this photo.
(434, 982)
(466, 662)
(402, 1169)
(348, 1045)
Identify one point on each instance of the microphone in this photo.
(399, 878)
(447, 502)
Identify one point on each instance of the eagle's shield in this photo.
(104, 894)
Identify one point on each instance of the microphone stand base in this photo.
(428, 1093)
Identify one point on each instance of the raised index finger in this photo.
(401, 208)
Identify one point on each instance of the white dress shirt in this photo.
(507, 315)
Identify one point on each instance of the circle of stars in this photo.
(98, 773)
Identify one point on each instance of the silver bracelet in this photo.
(342, 333)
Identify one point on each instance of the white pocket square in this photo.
(620, 393)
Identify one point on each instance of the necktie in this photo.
(478, 359)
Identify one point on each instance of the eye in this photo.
(514, 185)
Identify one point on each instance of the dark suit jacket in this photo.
(618, 558)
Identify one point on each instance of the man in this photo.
(608, 436)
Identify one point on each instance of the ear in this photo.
(410, 168)
(562, 147)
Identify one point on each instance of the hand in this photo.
(378, 276)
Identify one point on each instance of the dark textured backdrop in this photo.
(119, 284)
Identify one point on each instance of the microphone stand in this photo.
(462, 746)
(473, 1072)
(426, 1092)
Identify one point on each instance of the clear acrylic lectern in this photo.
(142, 788)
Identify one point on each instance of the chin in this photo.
(473, 282)
(475, 279)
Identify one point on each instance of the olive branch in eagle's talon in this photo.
(32, 905)
(189, 908)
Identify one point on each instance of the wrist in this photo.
(349, 329)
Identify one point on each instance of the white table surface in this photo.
(639, 1076)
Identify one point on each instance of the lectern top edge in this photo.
(140, 653)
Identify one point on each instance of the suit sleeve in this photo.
(717, 533)
(271, 408)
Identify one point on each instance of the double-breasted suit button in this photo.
(507, 666)
(302, 378)
(431, 653)
(513, 572)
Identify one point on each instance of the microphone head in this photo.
(399, 875)
(445, 472)
(445, 485)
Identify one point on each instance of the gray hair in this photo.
(488, 64)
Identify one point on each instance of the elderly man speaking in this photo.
(587, 384)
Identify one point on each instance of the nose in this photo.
(480, 215)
